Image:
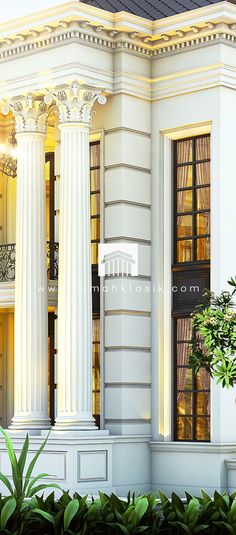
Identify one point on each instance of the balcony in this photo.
(8, 261)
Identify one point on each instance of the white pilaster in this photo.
(74, 287)
(31, 345)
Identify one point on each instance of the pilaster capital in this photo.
(75, 102)
(30, 113)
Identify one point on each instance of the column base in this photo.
(29, 424)
(77, 422)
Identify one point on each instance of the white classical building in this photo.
(124, 116)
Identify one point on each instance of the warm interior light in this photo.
(3, 148)
(13, 153)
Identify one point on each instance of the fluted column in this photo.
(74, 287)
(31, 345)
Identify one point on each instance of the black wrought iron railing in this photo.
(8, 261)
(52, 260)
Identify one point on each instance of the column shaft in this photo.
(31, 352)
(74, 292)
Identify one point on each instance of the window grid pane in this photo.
(191, 392)
(95, 199)
(95, 239)
(192, 200)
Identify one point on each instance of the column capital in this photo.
(30, 112)
(75, 102)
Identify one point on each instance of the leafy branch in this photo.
(214, 344)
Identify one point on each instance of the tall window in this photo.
(95, 239)
(191, 271)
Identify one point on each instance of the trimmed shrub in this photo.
(110, 515)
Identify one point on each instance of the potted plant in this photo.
(214, 344)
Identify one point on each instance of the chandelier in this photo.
(8, 156)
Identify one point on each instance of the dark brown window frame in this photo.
(200, 267)
(193, 212)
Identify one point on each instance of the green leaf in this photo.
(34, 480)
(70, 512)
(7, 511)
(23, 455)
(45, 515)
(123, 528)
(16, 476)
(33, 462)
(141, 507)
(201, 528)
(6, 483)
(44, 486)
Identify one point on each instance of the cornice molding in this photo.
(159, 40)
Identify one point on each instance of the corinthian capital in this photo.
(30, 114)
(75, 102)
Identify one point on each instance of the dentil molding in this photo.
(97, 35)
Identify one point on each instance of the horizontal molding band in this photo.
(124, 312)
(128, 278)
(128, 421)
(127, 166)
(146, 352)
(127, 348)
(187, 447)
(126, 129)
(126, 238)
(128, 203)
(146, 386)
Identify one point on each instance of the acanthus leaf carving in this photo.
(30, 113)
(75, 102)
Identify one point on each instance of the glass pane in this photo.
(202, 428)
(184, 226)
(96, 330)
(203, 403)
(184, 379)
(203, 173)
(203, 148)
(184, 403)
(182, 352)
(96, 366)
(47, 170)
(95, 155)
(203, 380)
(184, 428)
(95, 204)
(184, 329)
(203, 223)
(184, 201)
(184, 251)
(184, 151)
(203, 248)
(95, 229)
(203, 198)
(95, 180)
(94, 253)
(184, 176)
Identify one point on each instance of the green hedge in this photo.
(109, 515)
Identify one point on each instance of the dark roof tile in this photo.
(151, 9)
